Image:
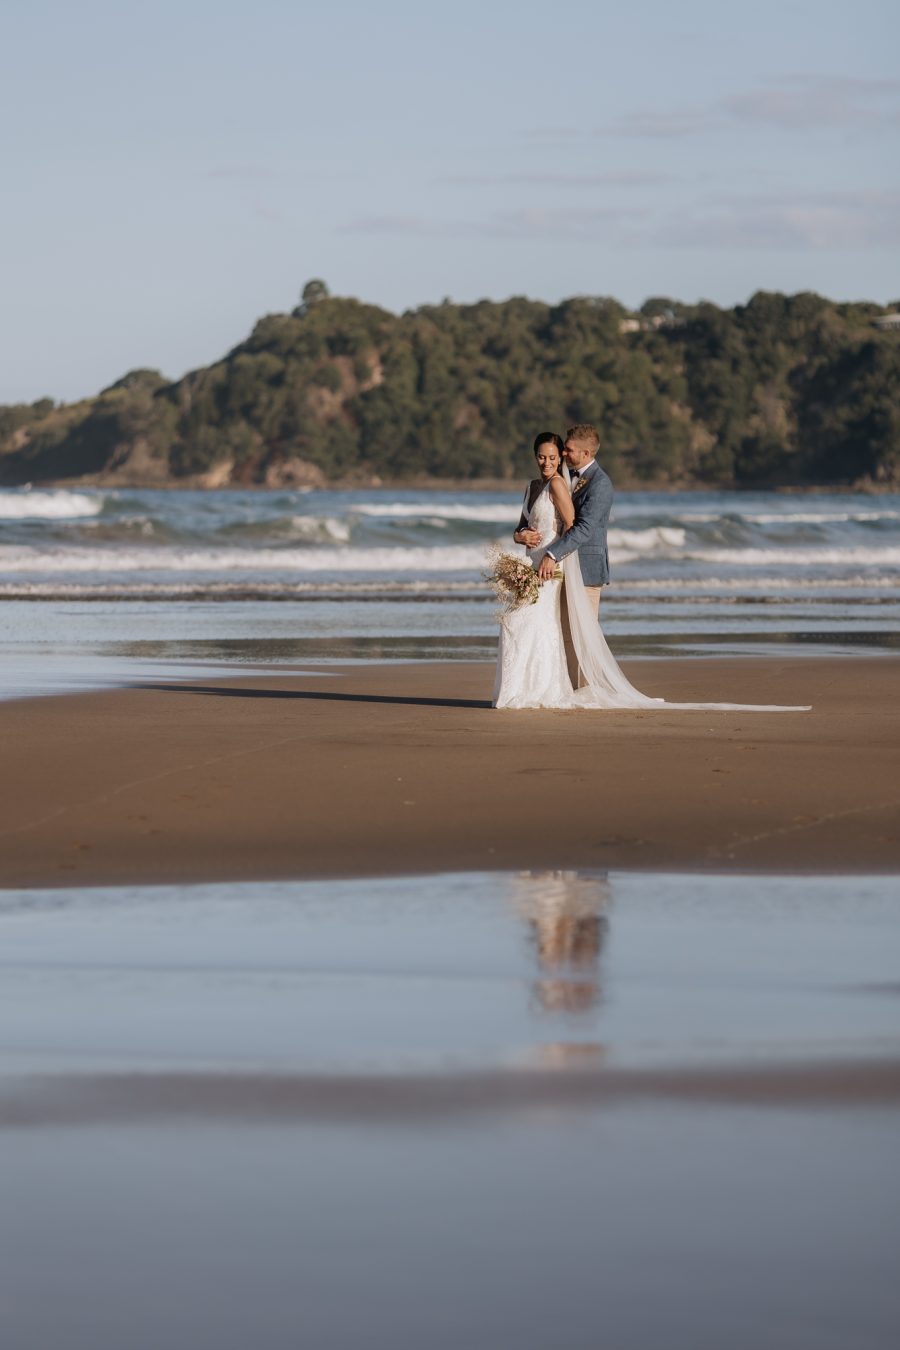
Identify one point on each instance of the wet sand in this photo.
(415, 1099)
(406, 769)
(500, 1109)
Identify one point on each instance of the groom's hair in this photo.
(584, 434)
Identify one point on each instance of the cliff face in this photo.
(784, 390)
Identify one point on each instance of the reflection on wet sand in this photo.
(568, 927)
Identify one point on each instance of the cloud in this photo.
(421, 227)
(804, 102)
(243, 171)
(788, 103)
(806, 223)
(524, 223)
(662, 125)
(550, 179)
(551, 135)
(792, 223)
(558, 222)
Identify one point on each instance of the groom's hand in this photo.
(547, 568)
(530, 538)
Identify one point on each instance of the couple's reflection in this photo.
(568, 926)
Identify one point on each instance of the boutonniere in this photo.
(582, 482)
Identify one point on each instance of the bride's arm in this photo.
(562, 500)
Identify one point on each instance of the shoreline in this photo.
(406, 770)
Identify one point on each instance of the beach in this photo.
(355, 1012)
(352, 1011)
(406, 768)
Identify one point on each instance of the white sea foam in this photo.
(203, 561)
(491, 513)
(796, 557)
(700, 585)
(321, 529)
(426, 587)
(499, 514)
(632, 541)
(54, 504)
(821, 517)
(636, 542)
(625, 547)
(873, 592)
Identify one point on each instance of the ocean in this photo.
(101, 586)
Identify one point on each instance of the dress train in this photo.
(531, 660)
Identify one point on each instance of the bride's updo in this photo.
(552, 437)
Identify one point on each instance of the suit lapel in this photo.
(585, 478)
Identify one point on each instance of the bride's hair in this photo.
(546, 436)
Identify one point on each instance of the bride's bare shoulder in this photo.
(562, 501)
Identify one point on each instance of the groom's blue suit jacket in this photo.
(592, 504)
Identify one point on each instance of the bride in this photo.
(531, 661)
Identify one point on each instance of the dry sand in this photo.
(400, 769)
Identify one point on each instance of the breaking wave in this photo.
(321, 529)
(797, 557)
(204, 561)
(636, 542)
(499, 513)
(334, 556)
(48, 504)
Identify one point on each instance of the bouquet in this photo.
(514, 580)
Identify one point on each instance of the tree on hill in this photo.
(781, 390)
(312, 293)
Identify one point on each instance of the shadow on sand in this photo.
(224, 692)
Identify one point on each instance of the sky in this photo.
(170, 172)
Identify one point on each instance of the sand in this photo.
(321, 1112)
(403, 769)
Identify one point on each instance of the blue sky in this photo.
(173, 171)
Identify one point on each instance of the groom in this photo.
(592, 495)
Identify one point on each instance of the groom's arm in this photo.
(592, 516)
(523, 535)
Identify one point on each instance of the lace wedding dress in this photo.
(531, 660)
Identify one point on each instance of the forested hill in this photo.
(785, 390)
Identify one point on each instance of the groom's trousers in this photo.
(593, 595)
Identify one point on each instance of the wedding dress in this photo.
(531, 660)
